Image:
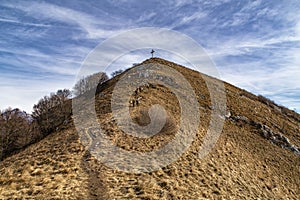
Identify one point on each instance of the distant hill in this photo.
(257, 155)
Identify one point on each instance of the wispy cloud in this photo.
(23, 94)
(255, 44)
(88, 24)
(22, 23)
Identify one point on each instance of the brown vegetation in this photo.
(243, 165)
(87, 83)
(53, 111)
(17, 130)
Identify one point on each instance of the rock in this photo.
(285, 139)
(228, 115)
(242, 118)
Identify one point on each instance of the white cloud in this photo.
(91, 25)
(24, 93)
(214, 3)
(224, 34)
(274, 81)
(265, 62)
(23, 23)
(146, 17)
(189, 18)
(32, 60)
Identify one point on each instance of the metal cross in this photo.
(152, 52)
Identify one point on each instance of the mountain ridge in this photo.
(244, 164)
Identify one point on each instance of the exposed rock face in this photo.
(275, 138)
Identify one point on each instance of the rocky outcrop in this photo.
(265, 132)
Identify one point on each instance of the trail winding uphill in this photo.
(247, 162)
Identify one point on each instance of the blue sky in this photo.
(254, 44)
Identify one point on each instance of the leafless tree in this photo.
(17, 129)
(51, 111)
(87, 83)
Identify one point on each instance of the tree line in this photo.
(19, 129)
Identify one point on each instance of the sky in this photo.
(255, 45)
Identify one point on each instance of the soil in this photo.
(242, 164)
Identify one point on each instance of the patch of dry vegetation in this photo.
(242, 165)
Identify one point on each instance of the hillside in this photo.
(257, 155)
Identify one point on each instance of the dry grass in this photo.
(241, 166)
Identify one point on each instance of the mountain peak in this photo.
(255, 156)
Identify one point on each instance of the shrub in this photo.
(282, 109)
(116, 73)
(266, 101)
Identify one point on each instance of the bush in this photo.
(266, 101)
(115, 73)
(282, 109)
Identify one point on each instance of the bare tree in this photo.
(87, 83)
(17, 130)
(51, 111)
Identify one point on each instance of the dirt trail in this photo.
(242, 165)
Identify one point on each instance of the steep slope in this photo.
(256, 156)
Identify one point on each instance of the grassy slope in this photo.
(242, 164)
